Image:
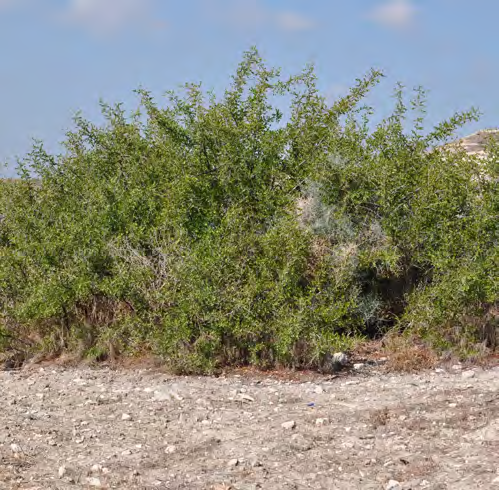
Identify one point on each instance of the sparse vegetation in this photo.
(215, 231)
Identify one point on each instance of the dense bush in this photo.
(215, 231)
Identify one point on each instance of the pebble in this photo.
(233, 463)
(393, 485)
(126, 416)
(468, 374)
(15, 448)
(490, 434)
(170, 449)
(94, 482)
(62, 471)
(96, 468)
(175, 396)
(340, 358)
(162, 396)
(358, 366)
(289, 425)
(321, 422)
(246, 398)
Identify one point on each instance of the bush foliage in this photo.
(216, 231)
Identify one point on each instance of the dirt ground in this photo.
(66, 428)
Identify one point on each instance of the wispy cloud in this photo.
(293, 21)
(395, 14)
(255, 14)
(108, 16)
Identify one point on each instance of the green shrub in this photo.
(214, 231)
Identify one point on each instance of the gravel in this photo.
(143, 429)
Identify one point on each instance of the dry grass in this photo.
(408, 354)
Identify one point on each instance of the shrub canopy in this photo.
(215, 231)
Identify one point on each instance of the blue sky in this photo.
(59, 56)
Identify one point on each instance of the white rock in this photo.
(319, 390)
(289, 425)
(393, 485)
(62, 471)
(161, 396)
(358, 366)
(126, 416)
(170, 449)
(96, 468)
(94, 482)
(490, 434)
(468, 374)
(176, 396)
(340, 358)
(321, 422)
(246, 398)
(233, 463)
(15, 448)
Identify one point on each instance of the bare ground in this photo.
(142, 429)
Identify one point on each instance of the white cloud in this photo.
(245, 13)
(254, 14)
(398, 14)
(292, 21)
(108, 16)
